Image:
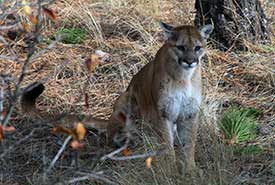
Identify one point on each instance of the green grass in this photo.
(238, 125)
(72, 35)
(252, 149)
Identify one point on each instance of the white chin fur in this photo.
(185, 65)
(194, 64)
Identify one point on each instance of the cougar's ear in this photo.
(167, 30)
(206, 30)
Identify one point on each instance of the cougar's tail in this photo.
(28, 106)
(29, 96)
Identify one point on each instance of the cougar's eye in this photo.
(197, 48)
(181, 47)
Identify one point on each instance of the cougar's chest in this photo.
(180, 102)
(190, 102)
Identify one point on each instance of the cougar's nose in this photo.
(188, 63)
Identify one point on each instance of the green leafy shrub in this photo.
(238, 125)
(72, 35)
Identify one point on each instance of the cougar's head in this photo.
(186, 44)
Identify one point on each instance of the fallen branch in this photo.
(138, 156)
(90, 176)
(58, 154)
(2, 100)
(110, 155)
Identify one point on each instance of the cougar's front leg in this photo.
(166, 130)
(165, 127)
(187, 132)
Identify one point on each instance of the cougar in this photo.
(164, 93)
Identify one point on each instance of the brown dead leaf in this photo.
(76, 145)
(80, 131)
(126, 152)
(86, 100)
(92, 63)
(63, 130)
(33, 19)
(50, 13)
(5, 129)
(232, 141)
(26, 26)
(3, 114)
(9, 129)
(149, 162)
(1, 133)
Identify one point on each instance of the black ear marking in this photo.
(167, 29)
(206, 30)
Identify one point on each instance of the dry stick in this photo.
(138, 156)
(2, 99)
(108, 156)
(58, 154)
(8, 27)
(3, 40)
(90, 176)
(3, 57)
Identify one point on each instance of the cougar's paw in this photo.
(190, 170)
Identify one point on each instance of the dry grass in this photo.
(129, 31)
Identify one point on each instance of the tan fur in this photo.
(164, 92)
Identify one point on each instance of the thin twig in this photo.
(138, 156)
(3, 40)
(88, 177)
(108, 156)
(2, 99)
(58, 154)
(7, 58)
(8, 27)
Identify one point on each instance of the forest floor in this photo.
(129, 31)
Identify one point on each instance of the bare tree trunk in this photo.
(234, 21)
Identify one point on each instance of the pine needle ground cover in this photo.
(130, 33)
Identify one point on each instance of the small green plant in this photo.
(252, 149)
(72, 35)
(238, 125)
